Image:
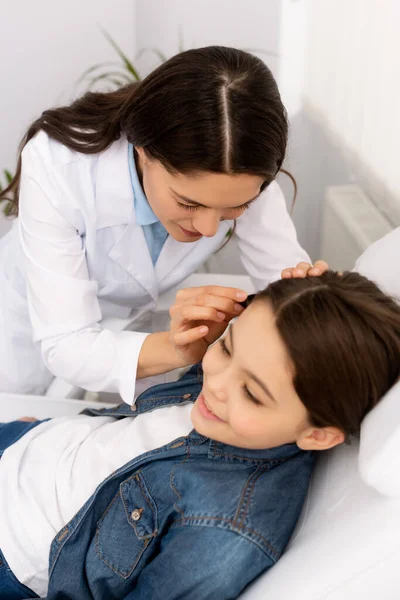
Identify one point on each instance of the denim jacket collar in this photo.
(176, 394)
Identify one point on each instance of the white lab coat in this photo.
(76, 255)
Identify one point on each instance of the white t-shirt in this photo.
(47, 476)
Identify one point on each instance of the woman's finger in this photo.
(287, 273)
(319, 267)
(301, 270)
(214, 290)
(183, 338)
(220, 303)
(183, 314)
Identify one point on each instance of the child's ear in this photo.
(320, 438)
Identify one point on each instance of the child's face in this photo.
(248, 398)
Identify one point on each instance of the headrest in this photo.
(379, 457)
(381, 263)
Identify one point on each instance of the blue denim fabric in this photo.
(12, 432)
(10, 587)
(195, 519)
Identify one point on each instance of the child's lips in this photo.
(206, 409)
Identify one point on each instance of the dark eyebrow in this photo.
(194, 203)
(256, 379)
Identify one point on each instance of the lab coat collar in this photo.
(114, 194)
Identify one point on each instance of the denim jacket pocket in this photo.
(127, 527)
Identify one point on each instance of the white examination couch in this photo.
(347, 543)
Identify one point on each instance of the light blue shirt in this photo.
(154, 232)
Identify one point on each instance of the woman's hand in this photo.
(200, 316)
(304, 269)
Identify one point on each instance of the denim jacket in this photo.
(194, 519)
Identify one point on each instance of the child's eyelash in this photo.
(246, 391)
(250, 395)
(224, 348)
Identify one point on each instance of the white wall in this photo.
(352, 88)
(275, 26)
(249, 24)
(44, 48)
(292, 52)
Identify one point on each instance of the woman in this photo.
(121, 196)
(112, 506)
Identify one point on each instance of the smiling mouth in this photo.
(209, 408)
(206, 409)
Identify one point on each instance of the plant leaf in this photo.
(8, 176)
(90, 70)
(7, 209)
(155, 51)
(117, 82)
(128, 65)
(110, 77)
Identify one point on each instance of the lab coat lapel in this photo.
(172, 258)
(177, 260)
(131, 253)
(115, 206)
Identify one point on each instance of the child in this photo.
(148, 508)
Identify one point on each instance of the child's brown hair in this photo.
(343, 336)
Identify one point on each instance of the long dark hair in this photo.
(211, 109)
(342, 334)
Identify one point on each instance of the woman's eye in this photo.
(244, 206)
(232, 211)
(250, 396)
(187, 206)
(224, 348)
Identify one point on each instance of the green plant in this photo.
(117, 73)
(8, 178)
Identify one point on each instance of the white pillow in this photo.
(381, 263)
(379, 457)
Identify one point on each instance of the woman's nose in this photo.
(208, 223)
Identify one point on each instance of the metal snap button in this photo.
(133, 407)
(136, 514)
(186, 396)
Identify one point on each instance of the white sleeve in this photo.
(62, 300)
(267, 238)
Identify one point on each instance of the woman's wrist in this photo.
(158, 355)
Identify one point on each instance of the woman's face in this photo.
(192, 206)
(248, 399)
